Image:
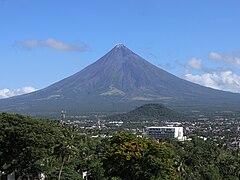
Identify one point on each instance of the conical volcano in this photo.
(119, 81)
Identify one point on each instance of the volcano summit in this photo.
(119, 81)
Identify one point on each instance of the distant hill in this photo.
(120, 81)
(150, 112)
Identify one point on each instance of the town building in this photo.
(165, 132)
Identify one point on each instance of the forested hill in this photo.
(151, 112)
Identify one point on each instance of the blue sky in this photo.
(42, 42)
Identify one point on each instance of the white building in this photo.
(165, 132)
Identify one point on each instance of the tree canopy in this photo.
(31, 146)
(131, 157)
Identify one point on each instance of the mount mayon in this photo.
(120, 81)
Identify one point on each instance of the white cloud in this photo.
(6, 93)
(195, 63)
(232, 59)
(204, 79)
(30, 44)
(215, 56)
(225, 80)
(59, 45)
(53, 44)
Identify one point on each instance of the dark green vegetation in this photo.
(201, 160)
(120, 81)
(150, 112)
(32, 146)
(130, 157)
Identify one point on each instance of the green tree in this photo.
(200, 160)
(129, 157)
(26, 144)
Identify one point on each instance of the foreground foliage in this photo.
(33, 146)
(130, 157)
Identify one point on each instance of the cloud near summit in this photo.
(52, 44)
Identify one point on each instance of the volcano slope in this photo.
(119, 81)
